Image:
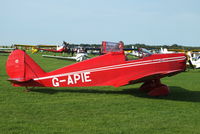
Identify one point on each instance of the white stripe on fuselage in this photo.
(117, 66)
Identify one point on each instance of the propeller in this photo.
(65, 44)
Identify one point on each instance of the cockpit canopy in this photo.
(119, 47)
(112, 47)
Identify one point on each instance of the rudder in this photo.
(20, 67)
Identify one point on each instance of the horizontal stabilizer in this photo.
(18, 80)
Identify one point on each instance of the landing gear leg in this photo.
(147, 86)
(155, 88)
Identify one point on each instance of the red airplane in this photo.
(110, 69)
(59, 49)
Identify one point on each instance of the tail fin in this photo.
(21, 67)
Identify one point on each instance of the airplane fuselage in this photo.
(111, 69)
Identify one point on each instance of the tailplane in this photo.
(20, 67)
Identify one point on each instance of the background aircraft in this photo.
(59, 49)
(81, 53)
(6, 50)
(79, 57)
(194, 58)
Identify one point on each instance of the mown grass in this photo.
(99, 110)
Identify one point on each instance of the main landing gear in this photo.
(155, 88)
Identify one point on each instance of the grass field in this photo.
(99, 110)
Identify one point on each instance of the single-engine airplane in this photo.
(110, 69)
(193, 58)
(59, 49)
(79, 57)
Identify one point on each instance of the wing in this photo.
(59, 57)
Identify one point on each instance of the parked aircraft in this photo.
(6, 50)
(110, 69)
(79, 57)
(59, 49)
(82, 55)
(194, 59)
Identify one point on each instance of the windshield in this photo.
(112, 47)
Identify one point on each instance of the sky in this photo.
(151, 22)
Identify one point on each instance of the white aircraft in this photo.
(6, 50)
(165, 51)
(196, 62)
(79, 57)
(194, 58)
